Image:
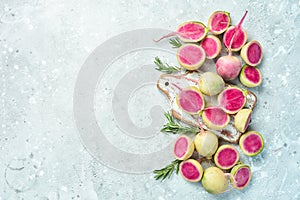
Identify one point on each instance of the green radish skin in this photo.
(242, 176)
(214, 180)
(191, 170)
(183, 148)
(191, 56)
(206, 144)
(250, 76)
(218, 22)
(251, 143)
(226, 156)
(242, 119)
(199, 106)
(252, 53)
(212, 46)
(215, 118)
(211, 83)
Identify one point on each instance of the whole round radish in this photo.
(214, 180)
(206, 143)
(230, 66)
(211, 83)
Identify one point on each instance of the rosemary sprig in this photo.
(172, 127)
(167, 171)
(176, 43)
(165, 67)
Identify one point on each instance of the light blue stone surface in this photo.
(43, 45)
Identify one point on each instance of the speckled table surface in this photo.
(46, 46)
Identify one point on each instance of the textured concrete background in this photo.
(43, 45)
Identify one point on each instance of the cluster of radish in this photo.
(200, 43)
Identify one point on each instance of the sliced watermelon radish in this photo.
(206, 144)
(237, 34)
(212, 46)
(242, 119)
(232, 99)
(218, 22)
(226, 156)
(251, 143)
(250, 76)
(191, 170)
(252, 53)
(215, 118)
(191, 100)
(183, 148)
(191, 31)
(214, 180)
(211, 83)
(242, 176)
(191, 56)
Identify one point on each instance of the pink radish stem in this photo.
(166, 36)
(238, 27)
(242, 20)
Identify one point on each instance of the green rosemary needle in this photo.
(165, 67)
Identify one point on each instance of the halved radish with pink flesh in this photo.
(232, 99)
(237, 34)
(212, 46)
(250, 76)
(189, 32)
(218, 22)
(192, 31)
(183, 148)
(191, 170)
(191, 100)
(191, 56)
(226, 156)
(252, 53)
(215, 118)
(242, 119)
(251, 143)
(242, 176)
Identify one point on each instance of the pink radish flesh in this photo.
(242, 177)
(219, 22)
(232, 99)
(210, 47)
(216, 115)
(239, 38)
(227, 157)
(190, 171)
(254, 53)
(181, 147)
(237, 34)
(190, 101)
(191, 31)
(252, 143)
(252, 74)
(190, 55)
